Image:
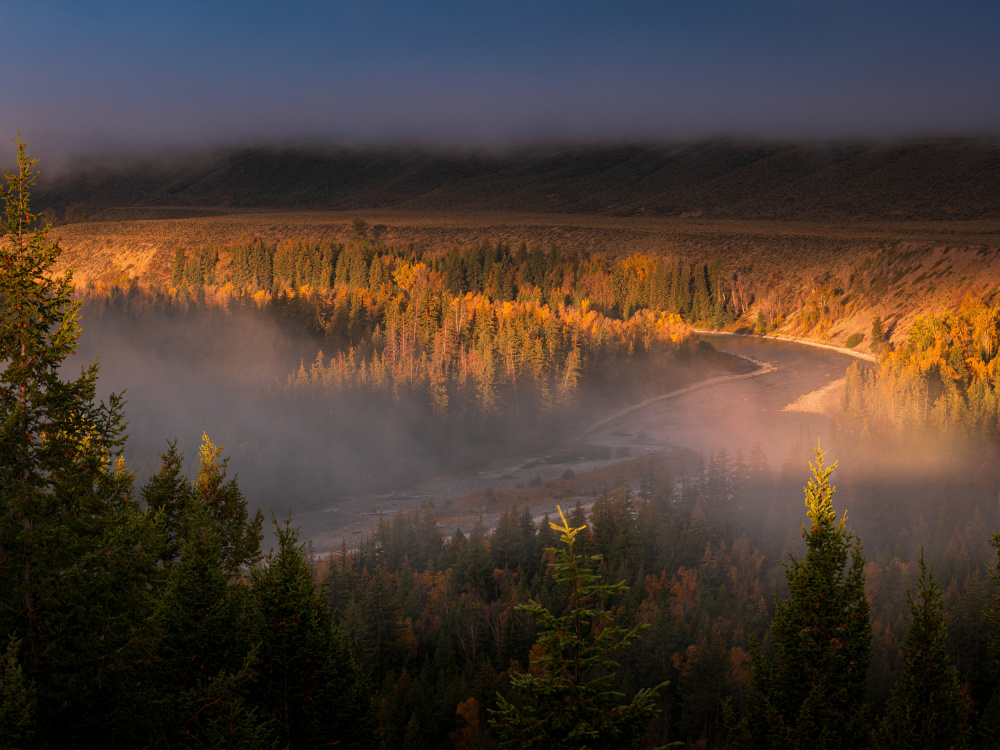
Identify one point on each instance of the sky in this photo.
(97, 76)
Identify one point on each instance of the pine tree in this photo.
(926, 707)
(306, 679)
(507, 540)
(546, 538)
(77, 551)
(168, 492)
(877, 336)
(812, 693)
(195, 690)
(565, 701)
(17, 701)
(991, 713)
(239, 535)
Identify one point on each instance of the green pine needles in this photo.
(565, 700)
(76, 549)
(306, 678)
(926, 707)
(812, 692)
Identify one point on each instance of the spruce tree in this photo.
(305, 679)
(877, 336)
(926, 707)
(76, 551)
(196, 689)
(991, 712)
(17, 701)
(239, 535)
(566, 701)
(812, 692)
(169, 493)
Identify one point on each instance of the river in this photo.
(733, 413)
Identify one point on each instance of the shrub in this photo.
(854, 339)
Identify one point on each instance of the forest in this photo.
(414, 364)
(145, 614)
(945, 377)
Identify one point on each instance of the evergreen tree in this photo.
(991, 713)
(615, 535)
(180, 262)
(305, 676)
(371, 626)
(17, 702)
(239, 535)
(474, 565)
(507, 540)
(168, 492)
(683, 293)
(528, 558)
(877, 336)
(546, 538)
(812, 693)
(565, 701)
(195, 690)
(926, 707)
(701, 302)
(77, 554)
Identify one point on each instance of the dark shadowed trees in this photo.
(170, 493)
(196, 689)
(305, 680)
(926, 707)
(18, 699)
(77, 553)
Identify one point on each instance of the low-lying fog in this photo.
(224, 374)
(202, 371)
(206, 371)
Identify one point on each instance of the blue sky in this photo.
(85, 76)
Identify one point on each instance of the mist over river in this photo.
(223, 374)
(730, 412)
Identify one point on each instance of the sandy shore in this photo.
(826, 401)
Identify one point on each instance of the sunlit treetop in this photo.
(819, 493)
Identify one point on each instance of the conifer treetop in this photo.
(567, 533)
(819, 494)
(39, 321)
(16, 191)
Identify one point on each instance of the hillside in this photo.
(824, 237)
(923, 180)
(841, 274)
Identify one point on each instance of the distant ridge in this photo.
(918, 180)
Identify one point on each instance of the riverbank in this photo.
(805, 342)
